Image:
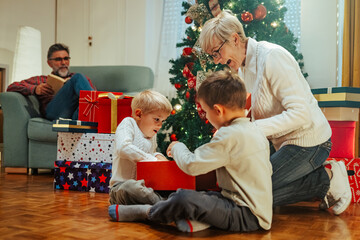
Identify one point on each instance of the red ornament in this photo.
(187, 51)
(247, 17)
(191, 82)
(173, 137)
(178, 85)
(186, 72)
(173, 112)
(201, 112)
(187, 95)
(260, 12)
(188, 20)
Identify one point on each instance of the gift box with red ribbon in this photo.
(112, 110)
(352, 165)
(167, 176)
(89, 104)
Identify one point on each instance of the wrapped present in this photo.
(81, 176)
(352, 165)
(85, 147)
(112, 110)
(68, 125)
(88, 105)
(167, 176)
(338, 97)
(344, 139)
(341, 113)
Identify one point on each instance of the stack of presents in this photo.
(85, 149)
(340, 106)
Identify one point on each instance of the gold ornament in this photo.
(198, 13)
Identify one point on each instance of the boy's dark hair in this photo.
(223, 87)
(57, 47)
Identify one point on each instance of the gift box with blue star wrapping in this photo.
(82, 176)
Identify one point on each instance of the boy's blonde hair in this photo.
(220, 27)
(225, 88)
(148, 101)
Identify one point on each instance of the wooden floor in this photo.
(31, 209)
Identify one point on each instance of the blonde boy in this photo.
(239, 152)
(135, 140)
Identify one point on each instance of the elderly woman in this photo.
(284, 108)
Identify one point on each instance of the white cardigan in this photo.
(282, 104)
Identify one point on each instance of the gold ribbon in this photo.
(113, 108)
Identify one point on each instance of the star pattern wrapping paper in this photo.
(82, 176)
(85, 147)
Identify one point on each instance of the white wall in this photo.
(318, 41)
(39, 14)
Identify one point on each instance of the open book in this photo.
(55, 82)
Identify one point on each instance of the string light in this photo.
(177, 107)
(274, 24)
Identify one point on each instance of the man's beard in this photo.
(62, 72)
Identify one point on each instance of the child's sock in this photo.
(186, 225)
(129, 213)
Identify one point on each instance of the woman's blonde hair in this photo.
(220, 27)
(148, 101)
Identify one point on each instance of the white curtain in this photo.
(172, 32)
(27, 57)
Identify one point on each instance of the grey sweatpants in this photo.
(207, 207)
(133, 192)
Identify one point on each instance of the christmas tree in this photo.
(262, 20)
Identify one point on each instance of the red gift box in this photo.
(112, 112)
(88, 105)
(343, 139)
(354, 165)
(167, 176)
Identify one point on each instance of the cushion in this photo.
(40, 129)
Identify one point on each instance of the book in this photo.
(55, 82)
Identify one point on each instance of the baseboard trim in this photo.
(16, 170)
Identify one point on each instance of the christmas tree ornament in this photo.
(186, 72)
(198, 13)
(173, 112)
(173, 137)
(260, 12)
(188, 20)
(187, 51)
(201, 112)
(214, 7)
(191, 82)
(178, 85)
(187, 95)
(247, 17)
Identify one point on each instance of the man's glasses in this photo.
(59, 59)
(216, 54)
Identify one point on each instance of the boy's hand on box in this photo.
(168, 151)
(161, 157)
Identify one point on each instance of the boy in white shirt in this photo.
(135, 140)
(239, 152)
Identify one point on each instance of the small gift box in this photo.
(343, 138)
(337, 97)
(82, 176)
(167, 176)
(112, 110)
(68, 125)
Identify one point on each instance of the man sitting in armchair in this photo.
(65, 102)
